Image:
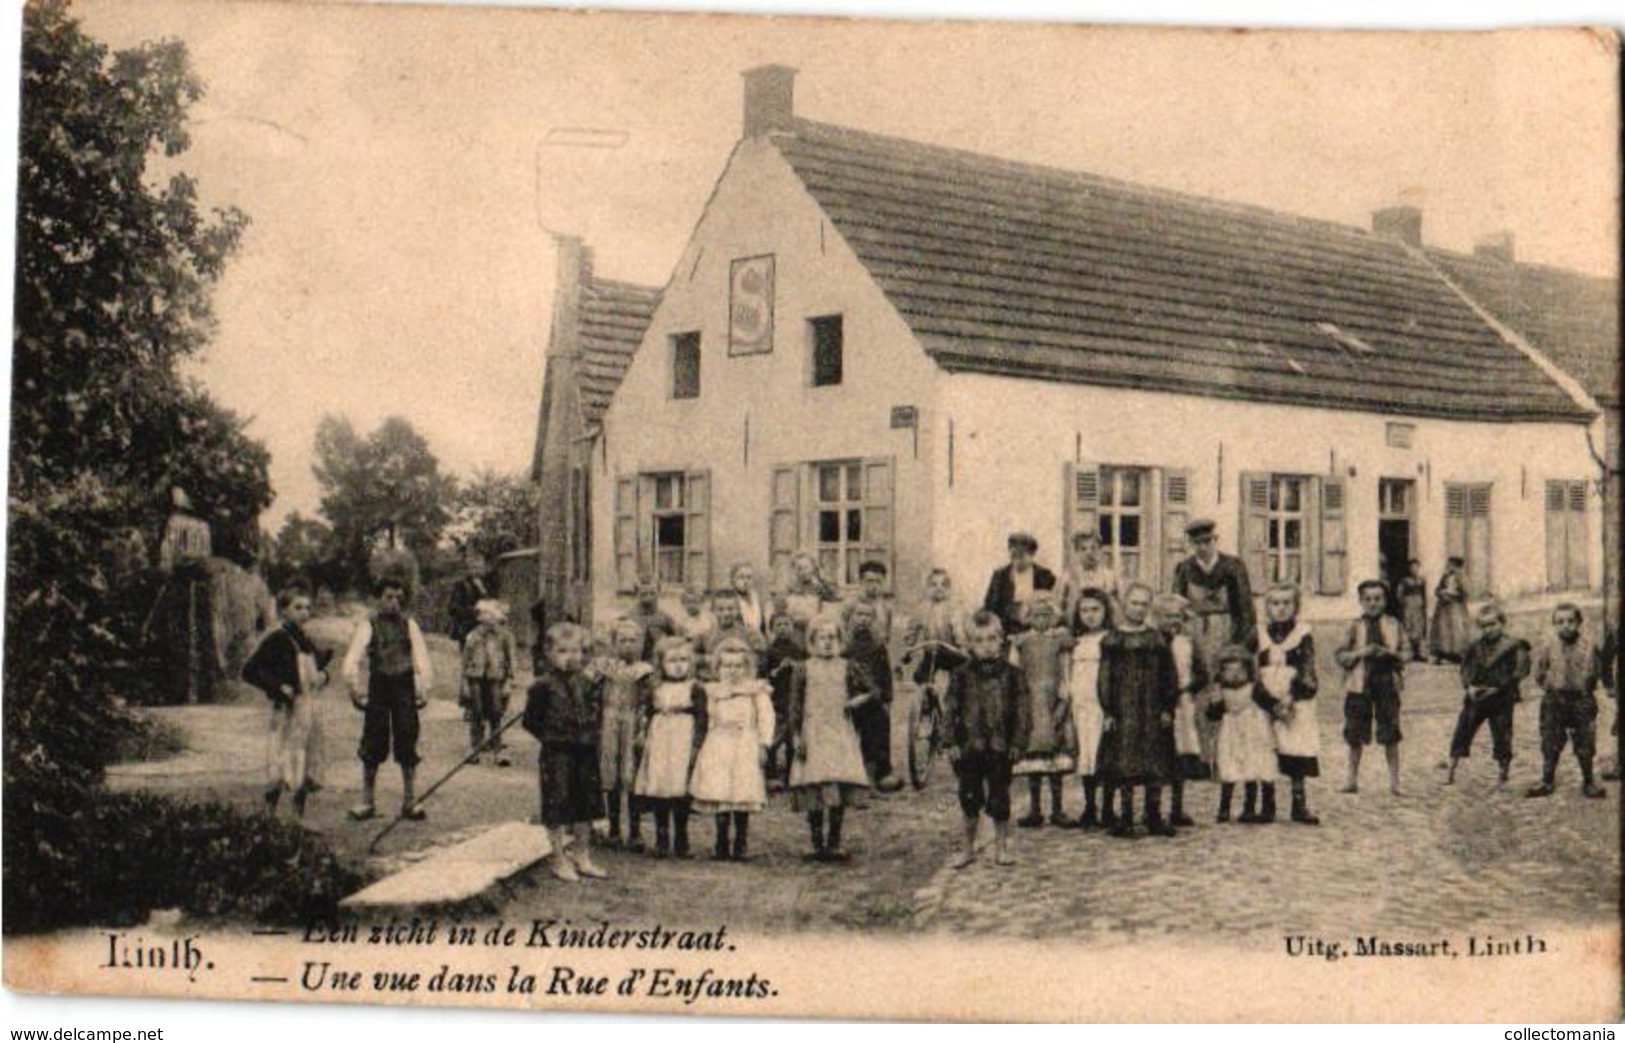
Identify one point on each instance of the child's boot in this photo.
(662, 817)
(1058, 817)
(1227, 794)
(1300, 804)
(723, 850)
(1266, 811)
(679, 840)
(1589, 784)
(612, 811)
(1123, 826)
(560, 864)
(815, 830)
(1177, 809)
(1548, 778)
(1034, 817)
(1090, 818)
(837, 817)
(299, 796)
(1001, 845)
(967, 847)
(741, 847)
(634, 819)
(369, 786)
(409, 801)
(1108, 799)
(1155, 824)
(272, 797)
(1249, 803)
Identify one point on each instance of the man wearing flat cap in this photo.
(1012, 587)
(1221, 601)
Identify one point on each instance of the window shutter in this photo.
(1455, 521)
(1333, 536)
(697, 527)
(1557, 525)
(1176, 514)
(1478, 539)
(1253, 540)
(626, 534)
(1579, 570)
(1081, 504)
(784, 529)
(878, 513)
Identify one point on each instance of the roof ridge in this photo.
(1016, 167)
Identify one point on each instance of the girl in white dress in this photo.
(827, 773)
(675, 728)
(729, 778)
(1091, 621)
(1245, 748)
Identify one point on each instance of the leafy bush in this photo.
(111, 861)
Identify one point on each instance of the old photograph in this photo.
(684, 513)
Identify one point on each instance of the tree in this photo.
(112, 291)
(496, 513)
(384, 491)
(303, 548)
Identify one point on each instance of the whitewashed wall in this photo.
(760, 207)
(1012, 438)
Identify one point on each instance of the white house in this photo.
(874, 348)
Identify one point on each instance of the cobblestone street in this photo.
(1434, 861)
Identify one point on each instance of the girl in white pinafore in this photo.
(676, 725)
(730, 779)
(1286, 668)
(1091, 621)
(827, 774)
(1245, 749)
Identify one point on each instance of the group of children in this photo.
(707, 713)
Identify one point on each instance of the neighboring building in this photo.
(597, 325)
(1573, 321)
(872, 348)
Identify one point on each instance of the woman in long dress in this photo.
(291, 670)
(1451, 632)
(1413, 607)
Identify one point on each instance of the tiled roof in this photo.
(1572, 319)
(614, 316)
(1012, 269)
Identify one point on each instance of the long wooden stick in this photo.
(473, 755)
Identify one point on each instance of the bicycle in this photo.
(927, 720)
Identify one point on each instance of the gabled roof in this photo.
(1572, 319)
(1012, 269)
(614, 316)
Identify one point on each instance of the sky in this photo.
(397, 166)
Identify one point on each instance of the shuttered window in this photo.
(1138, 513)
(840, 510)
(662, 528)
(1567, 532)
(1293, 530)
(1467, 531)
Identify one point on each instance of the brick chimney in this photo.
(573, 273)
(1402, 223)
(769, 99)
(1498, 247)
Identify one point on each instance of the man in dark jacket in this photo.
(1221, 599)
(1012, 586)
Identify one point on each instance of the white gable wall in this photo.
(760, 207)
(1012, 439)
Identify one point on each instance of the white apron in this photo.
(1087, 715)
(1298, 735)
(1187, 738)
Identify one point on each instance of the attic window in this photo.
(685, 365)
(828, 349)
(1347, 341)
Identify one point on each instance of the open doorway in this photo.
(1396, 528)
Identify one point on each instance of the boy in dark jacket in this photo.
(563, 710)
(778, 669)
(866, 650)
(987, 724)
(1568, 668)
(1491, 671)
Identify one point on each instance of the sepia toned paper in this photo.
(733, 290)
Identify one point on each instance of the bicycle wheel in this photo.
(924, 738)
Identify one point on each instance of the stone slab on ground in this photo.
(461, 871)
